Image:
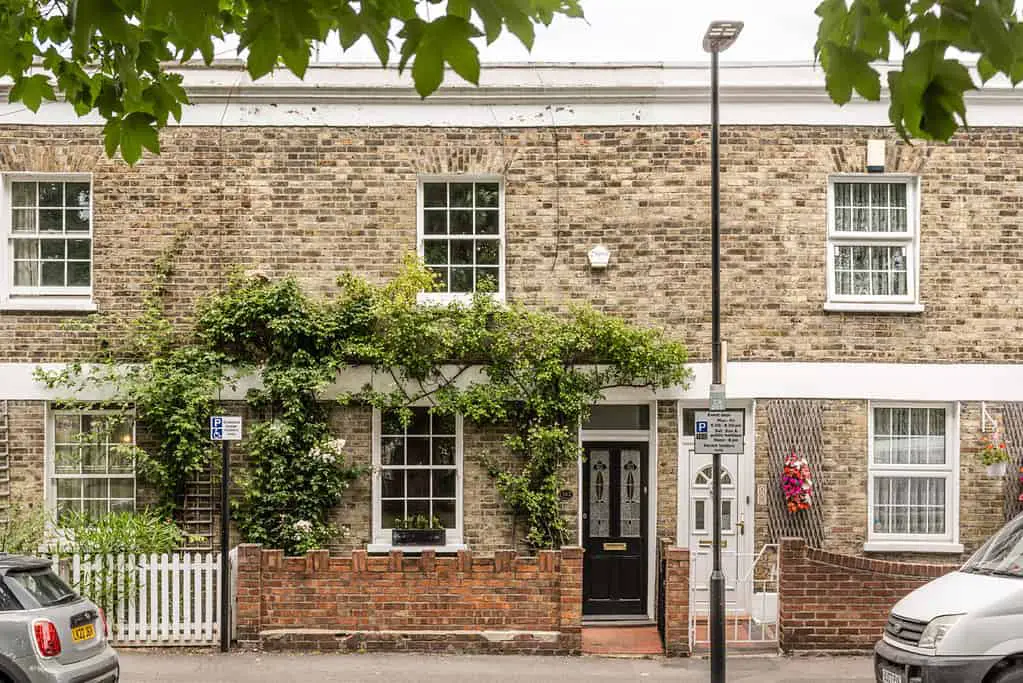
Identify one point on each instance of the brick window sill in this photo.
(387, 547)
(49, 304)
(866, 307)
(912, 547)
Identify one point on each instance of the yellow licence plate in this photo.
(81, 633)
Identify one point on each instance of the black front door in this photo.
(614, 492)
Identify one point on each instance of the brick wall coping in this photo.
(868, 564)
(357, 561)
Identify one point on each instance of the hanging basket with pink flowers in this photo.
(797, 483)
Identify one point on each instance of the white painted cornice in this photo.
(527, 95)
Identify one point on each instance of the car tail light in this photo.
(103, 618)
(47, 639)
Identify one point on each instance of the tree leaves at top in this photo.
(927, 91)
(110, 56)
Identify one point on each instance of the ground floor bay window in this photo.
(912, 487)
(416, 473)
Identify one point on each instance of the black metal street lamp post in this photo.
(719, 37)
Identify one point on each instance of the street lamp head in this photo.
(720, 35)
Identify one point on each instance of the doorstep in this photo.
(642, 640)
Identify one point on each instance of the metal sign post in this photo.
(717, 433)
(225, 429)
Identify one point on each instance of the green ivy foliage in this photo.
(533, 373)
(297, 470)
(157, 376)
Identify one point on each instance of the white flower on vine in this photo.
(328, 452)
(303, 526)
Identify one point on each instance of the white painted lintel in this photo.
(996, 382)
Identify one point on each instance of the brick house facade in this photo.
(900, 333)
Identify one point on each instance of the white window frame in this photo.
(49, 468)
(933, 543)
(908, 303)
(462, 297)
(43, 298)
(381, 541)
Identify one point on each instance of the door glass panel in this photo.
(726, 515)
(631, 495)
(704, 477)
(603, 416)
(600, 494)
(700, 516)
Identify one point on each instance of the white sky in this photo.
(655, 31)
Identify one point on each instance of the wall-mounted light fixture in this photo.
(599, 257)
(875, 156)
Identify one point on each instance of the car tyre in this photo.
(1013, 674)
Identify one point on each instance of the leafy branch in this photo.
(927, 90)
(113, 58)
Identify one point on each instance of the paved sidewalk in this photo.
(200, 666)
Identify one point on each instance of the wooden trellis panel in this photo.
(5, 466)
(796, 425)
(1012, 419)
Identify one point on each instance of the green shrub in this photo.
(23, 528)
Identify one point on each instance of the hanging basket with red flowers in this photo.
(796, 483)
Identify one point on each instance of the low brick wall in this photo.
(837, 602)
(502, 603)
(674, 599)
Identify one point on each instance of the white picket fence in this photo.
(169, 599)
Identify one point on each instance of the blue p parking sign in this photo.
(701, 429)
(225, 428)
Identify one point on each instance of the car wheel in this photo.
(1014, 674)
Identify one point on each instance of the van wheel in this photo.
(1014, 674)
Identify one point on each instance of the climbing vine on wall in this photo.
(156, 374)
(535, 374)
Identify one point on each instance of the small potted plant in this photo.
(418, 530)
(994, 454)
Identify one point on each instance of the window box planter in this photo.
(419, 537)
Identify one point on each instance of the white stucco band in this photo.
(527, 95)
(744, 380)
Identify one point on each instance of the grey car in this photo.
(49, 633)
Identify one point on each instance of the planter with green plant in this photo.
(994, 454)
(418, 530)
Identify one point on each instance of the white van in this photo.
(965, 626)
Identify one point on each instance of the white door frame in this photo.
(746, 475)
(649, 436)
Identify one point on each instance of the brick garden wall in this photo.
(674, 599)
(504, 603)
(829, 601)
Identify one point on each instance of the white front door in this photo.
(736, 517)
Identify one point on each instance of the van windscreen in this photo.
(1002, 555)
